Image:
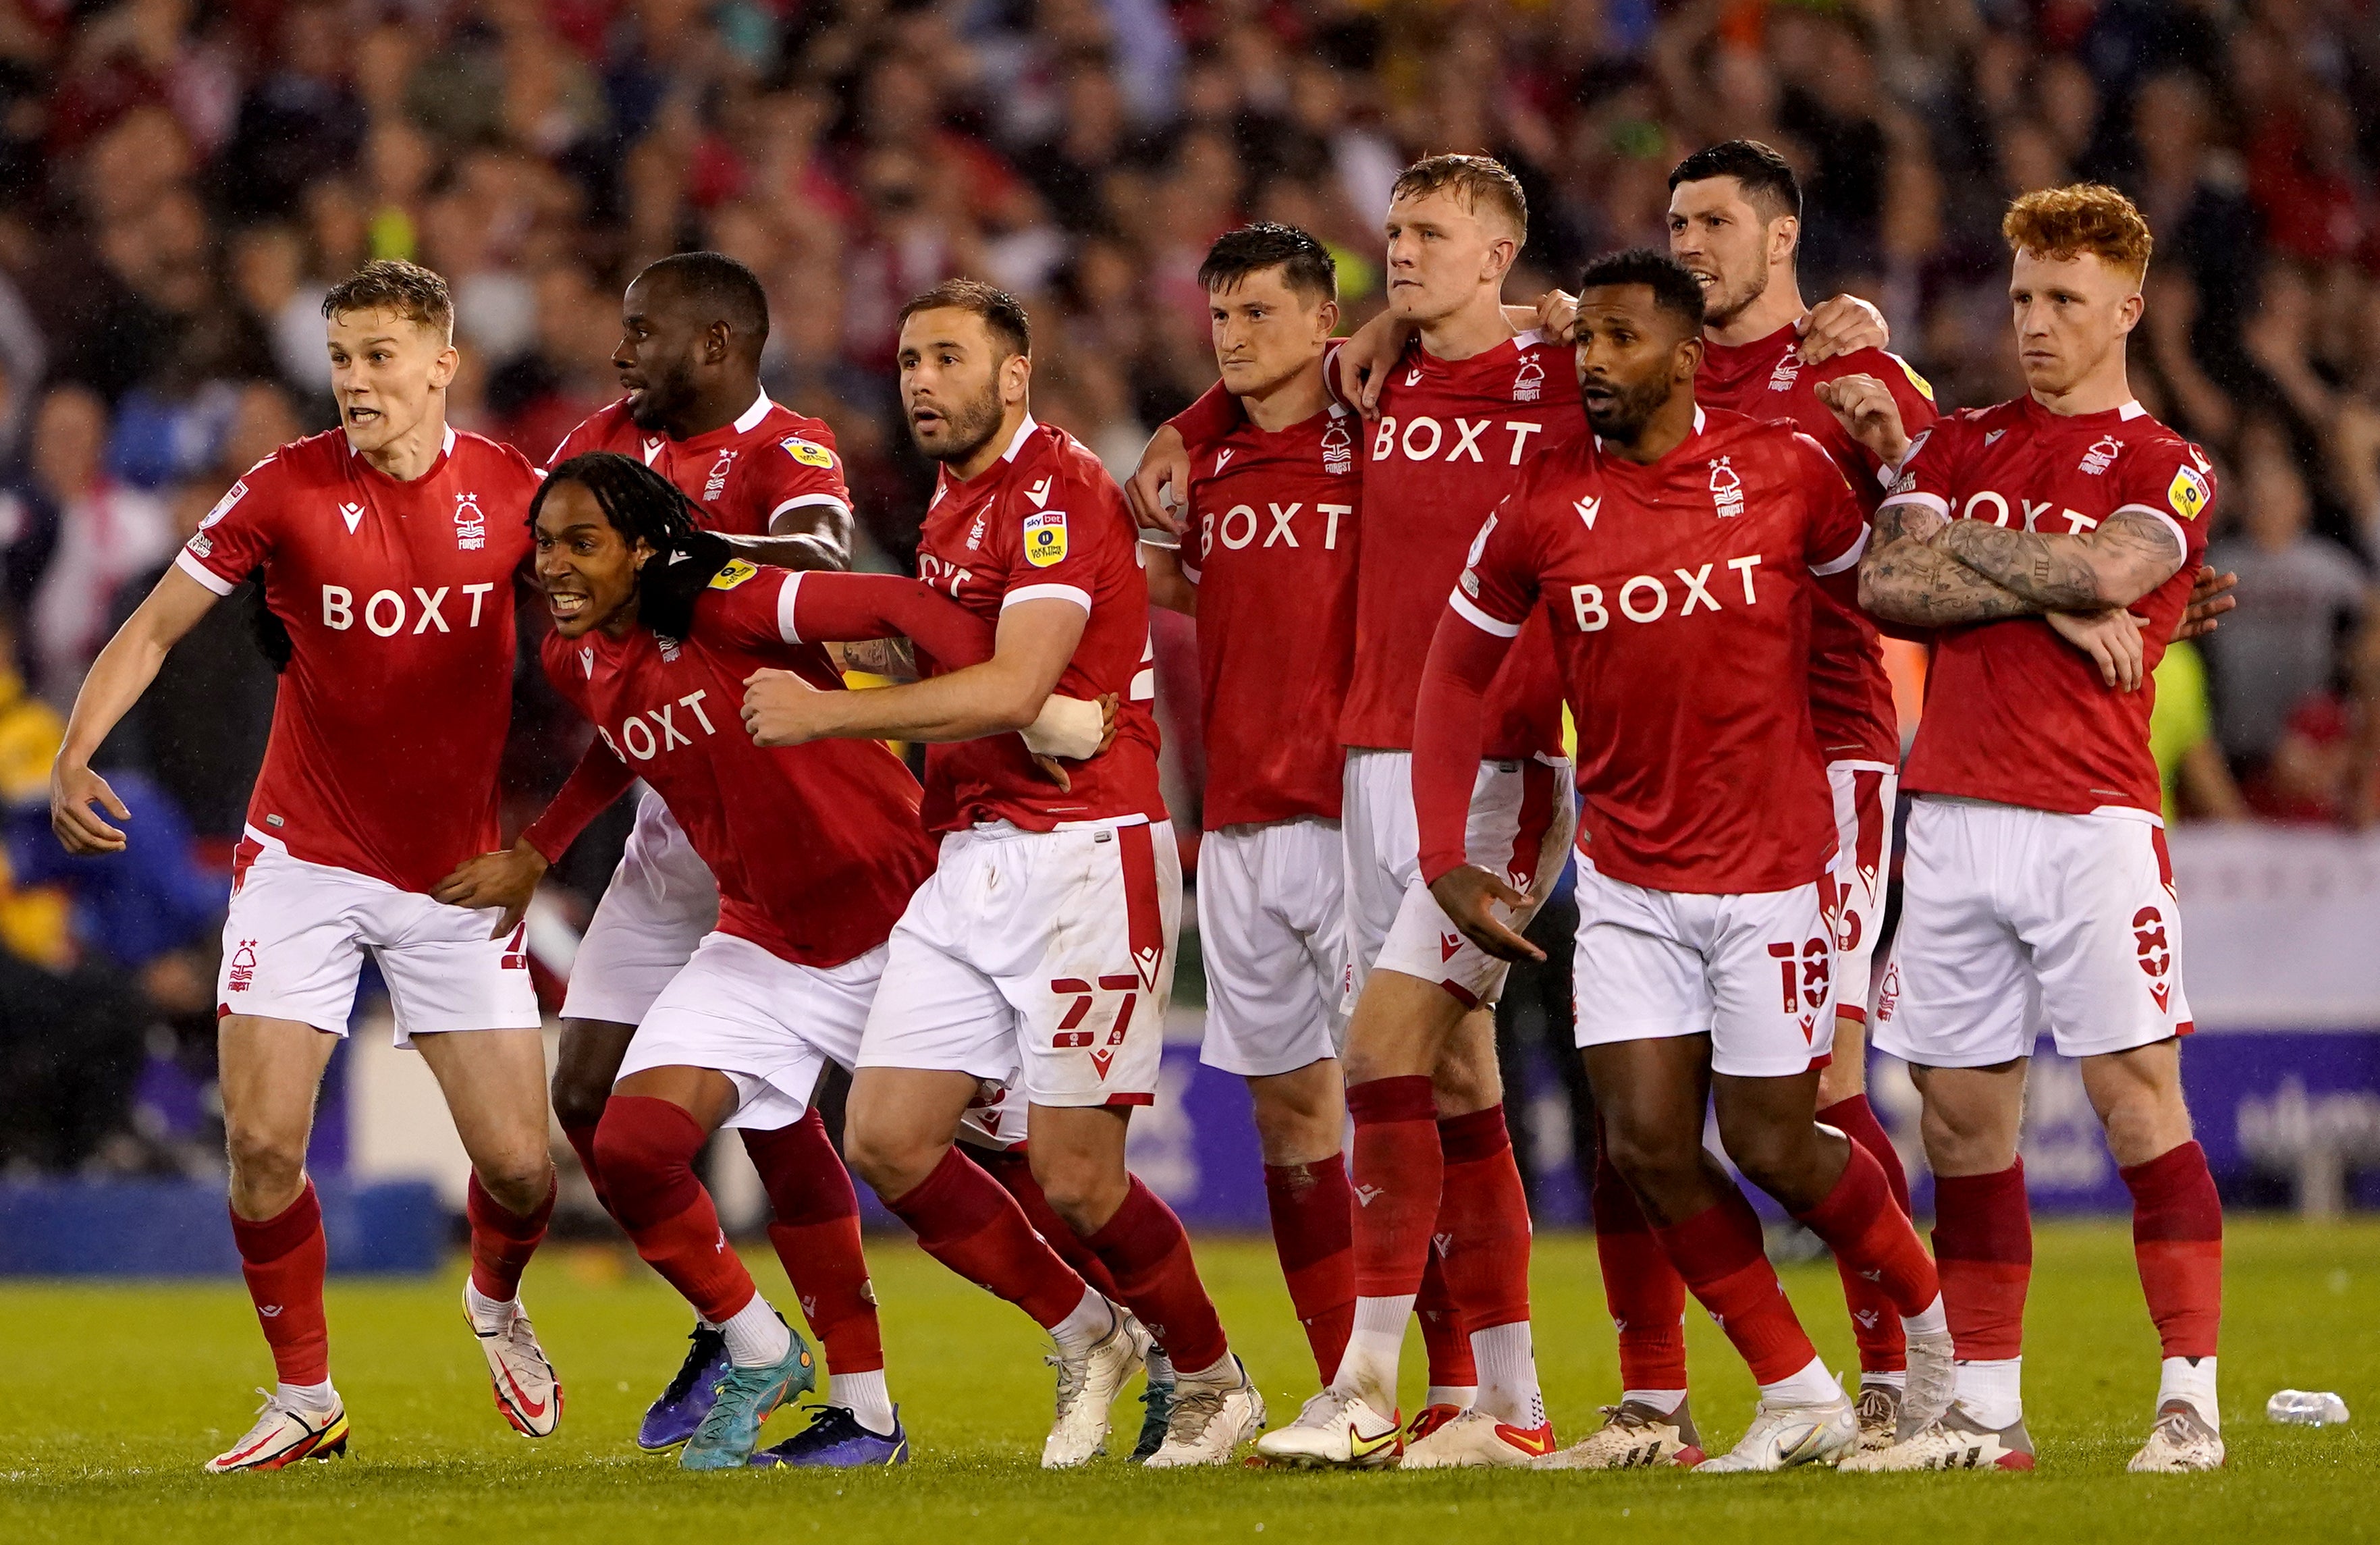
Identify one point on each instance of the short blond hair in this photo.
(2081, 217)
(1479, 183)
(400, 288)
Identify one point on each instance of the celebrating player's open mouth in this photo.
(589, 574)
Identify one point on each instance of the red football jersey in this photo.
(740, 477)
(1450, 441)
(1274, 518)
(817, 847)
(1679, 597)
(1851, 696)
(398, 598)
(1045, 522)
(2013, 713)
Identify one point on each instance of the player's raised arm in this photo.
(123, 671)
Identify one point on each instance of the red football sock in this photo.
(1314, 1231)
(502, 1240)
(1719, 1252)
(647, 1148)
(1647, 1296)
(1484, 1215)
(1443, 1336)
(1149, 1254)
(1012, 1167)
(283, 1259)
(2178, 1241)
(964, 1219)
(582, 1143)
(1399, 1173)
(1876, 1323)
(817, 1236)
(1982, 1247)
(1873, 1237)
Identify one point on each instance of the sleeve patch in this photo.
(1924, 387)
(809, 453)
(732, 574)
(1045, 538)
(2187, 493)
(233, 495)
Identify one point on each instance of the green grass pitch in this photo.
(115, 1394)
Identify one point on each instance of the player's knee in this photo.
(517, 1177)
(892, 1162)
(579, 1097)
(1651, 1161)
(1963, 1141)
(1082, 1193)
(265, 1162)
(2144, 1122)
(1772, 1156)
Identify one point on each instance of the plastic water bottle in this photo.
(2306, 1408)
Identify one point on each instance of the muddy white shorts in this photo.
(1042, 958)
(2014, 922)
(1864, 792)
(771, 1025)
(1272, 930)
(1753, 972)
(295, 939)
(1522, 820)
(661, 902)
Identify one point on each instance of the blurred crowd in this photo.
(181, 180)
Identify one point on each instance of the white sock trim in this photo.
(866, 1397)
(1090, 1318)
(756, 1337)
(2192, 1380)
(1933, 1320)
(1664, 1401)
(308, 1397)
(488, 1315)
(1812, 1385)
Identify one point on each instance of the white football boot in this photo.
(1208, 1420)
(1956, 1442)
(1477, 1441)
(1336, 1430)
(1784, 1436)
(528, 1392)
(283, 1434)
(1087, 1385)
(2179, 1443)
(1633, 1436)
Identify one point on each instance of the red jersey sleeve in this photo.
(1499, 584)
(1213, 416)
(1837, 532)
(236, 536)
(600, 777)
(840, 608)
(802, 469)
(1054, 552)
(2172, 481)
(1929, 472)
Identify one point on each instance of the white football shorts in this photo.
(1865, 793)
(661, 901)
(1272, 922)
(1754, 972)
(295, 938)
(2014, 922)
(1044, 958)
(771, 1025)
(1522, 821)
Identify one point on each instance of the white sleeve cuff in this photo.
(1481, 620)
(2181, 537)
(1934, 502)
(1850, 555)
(805, 501)
(785, 593)
(1075, 593)
(188, 564)
(1189, 571)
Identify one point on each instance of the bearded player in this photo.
(1271, 575)
(1041, 949)
(388, 551)
(692, 327)
(1673, 551)
(2037, 891)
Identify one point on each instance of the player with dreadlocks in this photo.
(817, 850)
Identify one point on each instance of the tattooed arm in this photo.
(2123, 559)
(892, 658)
(1907, 577)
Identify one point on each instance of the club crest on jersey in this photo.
(809, 453)
(2102, 455)
(1045, 538)
(1727, 489)
(717, 484)
(975, 532)
(2187, 493)
(1529, 382)
(242, 965)
(1338, 450)
(734, 572)
(470, 525)
(1788, 371)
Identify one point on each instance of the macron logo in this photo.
(1994, 437)
(353, 514)
(1587, 510)
(652, 451)
(1366, 1194)
(1222, 459)
(1038, 493)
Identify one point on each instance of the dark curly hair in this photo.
(643, 505)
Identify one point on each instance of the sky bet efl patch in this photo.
(734, 572)
(2187, 493)
(809, 453)
(1045, 538)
